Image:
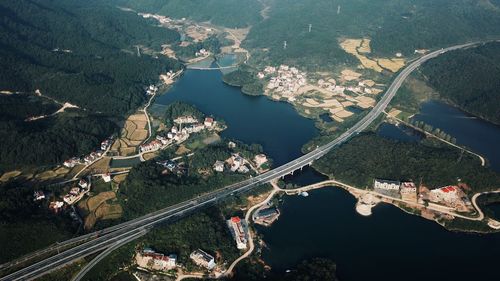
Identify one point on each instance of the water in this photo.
(494, 209)
(389, 245)
(125, 163)
(276, 126)
(480, 136)
(326, 117)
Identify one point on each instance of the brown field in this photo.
(98, 209)
(55, 173)
(359, 47)
(119, 178)
(149, 156)
(95, 201)
(134, 132)
(182, 150)
(392, 64)
(109, 211)
(9, 175)
(101, 166)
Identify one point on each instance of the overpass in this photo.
(109, 237)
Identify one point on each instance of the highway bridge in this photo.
(91, 243)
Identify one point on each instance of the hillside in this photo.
(72, 51)
(394, 26)
(228, 13)
(470, 79)
(81, 52)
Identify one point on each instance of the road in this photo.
(108, 237)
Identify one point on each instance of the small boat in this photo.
(304, 194)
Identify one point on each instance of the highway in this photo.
(104, 239)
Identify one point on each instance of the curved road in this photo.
(109, 237)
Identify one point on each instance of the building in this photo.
(219, 166)
(56, 206)
(266, 213)
(155, 261)
(238, 229)
(38, 195)
(260, 159)
(387, 187)
(70, 163)
(408, 191)
(231, 145)
(185, 120)
(154, 145)
(243, 169)
(203, 259)
(446, 194)
(83, 183)
(106, 177)
(209, 122)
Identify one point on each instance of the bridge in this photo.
(114, 236)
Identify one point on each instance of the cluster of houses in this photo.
(151, 90)
(451, 197)
(76, 193)
(151, 260)
(285, 79)
(184, 126)
(87, 159)
(202, 53)
(235, 163)
(239, 231)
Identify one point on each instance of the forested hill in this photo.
(469, 79)
(80, 51)
(393, 26)
(228, 13)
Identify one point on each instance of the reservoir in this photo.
(474, 133)
(276, 126)
(390, 244)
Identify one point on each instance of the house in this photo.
(105, 144)
(231, 145)
(55, 206)
(260, 159)
(83, 183)
(243, 169)
(203, 259)
(209, 122)
(38, 195)
(70, 163)
(155, 261)
(106, 177)
(408, 191)
(219, 166)
(266, 213)
(238, 230)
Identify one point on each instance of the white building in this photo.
(209, 122)
(219, 166)
(238, 229)
(155, 261)
(446, 194)
(201, 258)
(106, 177)
(260, 159)
(387, 185)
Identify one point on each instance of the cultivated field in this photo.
(134, 132)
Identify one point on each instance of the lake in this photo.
(252, 119)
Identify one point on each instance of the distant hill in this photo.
(394, 26)
(80, 51)
(228, 13)
(469, 79)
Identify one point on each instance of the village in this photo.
(340, 99)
